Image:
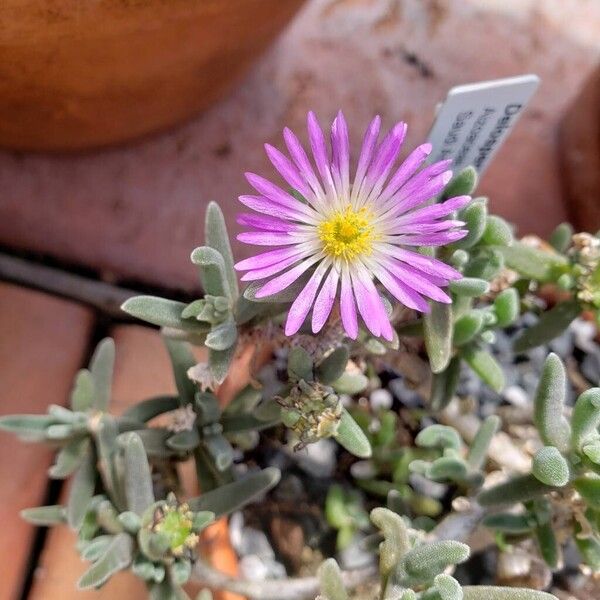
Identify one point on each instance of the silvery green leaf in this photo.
(396, 539)
(161, 312)
(222, 336)
(509, 523)
(44, 516)
(447, 468)
(506, 307)
(531, 262)
(332, 586)
(101, 368)
(207, 408)
(155, 442)
(444, 384)
(425, 561)
(60, 432)
(181, 571)
(467, 326)
(560, 238)
(437, 330)
(204, 595)
(475, 217)
(549, 401)
(550, 467)
(108, 517)
(217, 237)
(152, 407)
(333, 366)
(166, 590)
(589, 548)
(107, 447)
(585, 419)
(69, 458)
(82, 490)
(202, 520)
(233, 496)
(182, 359)
(137, 477)
(481, 442)
(82, 394)
(497, 232)
(220, 450)
(487, 263)
(351, 436)
(300, 364)
(94, 549)
(462, 184)
(469, 286)
(244, 401)
(212, 271)
(448, 588)
(549, 326)
(30, 428)
(479, 592)
(130, 521)
(592, 451)
(184, 441)
(439, 436)
(517, 489)
(249, 422)
(351, 384)
(220, 361)
(117, 557)
(485, 365)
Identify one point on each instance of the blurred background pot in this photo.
(77, 74)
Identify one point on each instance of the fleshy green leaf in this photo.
(475, 217)
(396, 539)
(506, 307)
(101, 368)
(219, 362)
(444, 384)
(44, 516)
(222, 336)
(351, 384)
(467, 326)
(330, 578)
(448, 588)
(182, 360)
(437, 330)
(589, 489)
(553, 427)
(117, 557)
(148, 409)
(509, 523)
(82, 394)
(212, 271)
(300, 364)
(233, 496)
(333, 366)
(481, 592)
(462, 184)
(485, 365)
(351, 436)
(550, 467)
(184, 441)
(560, 238)
(30, 428)
(585, 419)
(517, 489)
(481, 442)
(469, 286)
(137, 478)
(439, 436)
(549, 326)
(69, 458)
(424, 562)
(161, 312)
(531, 262)
(497, 232)
(217, 237)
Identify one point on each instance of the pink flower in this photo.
(346, 235)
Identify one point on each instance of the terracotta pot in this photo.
(76, 74)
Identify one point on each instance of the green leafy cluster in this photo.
(413, 568)
(566, 470)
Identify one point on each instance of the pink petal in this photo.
(279, 283)
(347, 307)
(400, 291)
(427, 264)
(436, 211)
(319, 148)
(276, 194)
(324, 301)
(304, 302)
(288, 170)
(272, 269)
(266, 238)
(366, 153)
(301, 160)
(266, 258)
(264, 222)
(268, 207)
(340, 146)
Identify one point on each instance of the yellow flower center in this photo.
(347, 233)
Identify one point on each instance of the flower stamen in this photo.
(347, 233)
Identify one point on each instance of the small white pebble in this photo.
(381, 399)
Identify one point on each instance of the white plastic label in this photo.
(475, 119)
